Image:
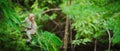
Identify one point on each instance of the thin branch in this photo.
(54, 9)
(55, 22)
(54, 28)
(72, 48)
(95, 45)
(108, 32)
(109, 40)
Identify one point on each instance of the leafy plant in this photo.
(47, 41)
(87, 21)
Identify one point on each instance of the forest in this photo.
(62, 25)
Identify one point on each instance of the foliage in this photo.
(87, 21)
(10, 31)
(91, 18)
(113, 22)
(8, 15)
(47, 41)
(13, 39)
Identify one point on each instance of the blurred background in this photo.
(63, 25)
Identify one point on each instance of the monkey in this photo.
(31, 27)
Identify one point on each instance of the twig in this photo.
(95, 45)
(72, 46)
(54, 9)
(108, 32)
(109, 40)
(54, 28)
(55, 22)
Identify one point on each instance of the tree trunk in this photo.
(65, 43)
(66, 35)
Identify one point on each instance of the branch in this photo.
(95, 46)
(109, 40)
(54, 9)
(109, 34)
(65, 43)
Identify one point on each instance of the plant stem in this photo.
(95, 45)
(109, 40)
(72, 48)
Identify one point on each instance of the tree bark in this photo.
(66, 35)
(66, 31)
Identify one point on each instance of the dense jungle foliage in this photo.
(63, 25)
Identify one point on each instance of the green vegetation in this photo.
(78, 22)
